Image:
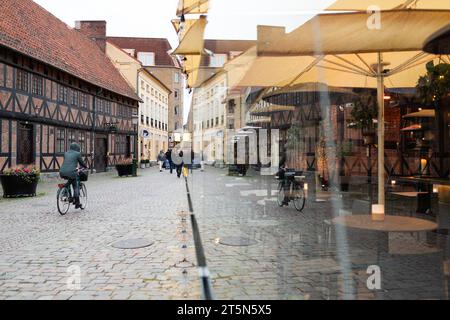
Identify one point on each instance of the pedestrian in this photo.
(161, 159)
(180, 165)
(169, 158)
(191, 166)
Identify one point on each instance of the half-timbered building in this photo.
(57, 86)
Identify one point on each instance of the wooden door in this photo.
(100, 158)
(25, 144)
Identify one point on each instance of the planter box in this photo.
(124, 170)
(16, 186)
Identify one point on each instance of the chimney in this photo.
(95, 30)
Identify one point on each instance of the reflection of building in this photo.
(154, 56)
(216, 109)
(53, 81)
(153, 110)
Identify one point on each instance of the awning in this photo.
(192, 7)
(268, 108)
(192, 42)
(363, 5)
(344, 33)
(426, 113)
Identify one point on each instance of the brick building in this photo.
(57, 87)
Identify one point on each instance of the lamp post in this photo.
(135, 121)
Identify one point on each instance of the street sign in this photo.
(145, 133)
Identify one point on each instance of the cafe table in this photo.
(391, 223)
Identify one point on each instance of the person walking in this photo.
(169, 158)
(181, 165)
(191, 166)
(68, 171)
(161, 159)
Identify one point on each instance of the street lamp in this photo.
(135, 122)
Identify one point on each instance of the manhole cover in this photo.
(445, 232)
(237, 241)
(132, 244)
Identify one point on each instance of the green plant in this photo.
(29, 174)
(435, 85)
(365, 110)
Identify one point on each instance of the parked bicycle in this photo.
(65, 193)
(291, 188)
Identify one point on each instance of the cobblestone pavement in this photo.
(40, 251)
(292, 258)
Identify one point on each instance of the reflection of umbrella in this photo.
(439, 43)
(414, 127)
(426, 113)
(192, 7)
(350, 50)
(268, 108)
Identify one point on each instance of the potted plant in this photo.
(147, 163)
(143, 164)
(20, 181)
(125, 167)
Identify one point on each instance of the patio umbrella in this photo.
(192, 7)
(363, 5)
(352, 50)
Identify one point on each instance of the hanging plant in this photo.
(365, 110)
(435, 85)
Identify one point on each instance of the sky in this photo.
(227, 19)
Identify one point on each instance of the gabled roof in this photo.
(29, 29)
(159, 46)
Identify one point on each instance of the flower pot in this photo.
(147, 165)
(124, 169)
(142, 165)
(17, 186)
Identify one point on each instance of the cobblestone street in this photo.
(290, 258)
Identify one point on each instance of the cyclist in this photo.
(68, 171)
(281, 174)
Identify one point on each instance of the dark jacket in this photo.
(72, 159)
(169, 155)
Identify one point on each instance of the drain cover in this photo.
(445, 232)
(237, 241)
(132, 244)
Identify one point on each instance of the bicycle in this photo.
(64, 195)
(291, 188)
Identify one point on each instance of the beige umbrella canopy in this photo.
(363, 5)
(350, 52)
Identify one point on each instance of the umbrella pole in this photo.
(380, 92)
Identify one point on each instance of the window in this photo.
(84, 101)
(60, 141)
(176, 77)
(142, 118)
(62, 94)
(176, 110)
(222, 120)
(153, 92)
(107, 107)
(22, 80)
(147, 88)
(38, 84)
(82, 142)
(146, 58)
(147, 121)
(142, 85)
(218, 60)
(99, 105)
(151, 122)
(72, 137)
(207, 124)
(74, 98)
(176, 93)
(217, 121)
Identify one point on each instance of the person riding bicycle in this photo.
(281, 174)
(68, 171)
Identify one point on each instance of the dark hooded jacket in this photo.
(71, 160)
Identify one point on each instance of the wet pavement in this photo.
(254, 249)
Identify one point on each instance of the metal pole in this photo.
(93, 135)
(380, 78)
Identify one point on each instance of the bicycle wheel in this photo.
(280, 195)
(83, 196)
(62, 200)
(299, 198)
